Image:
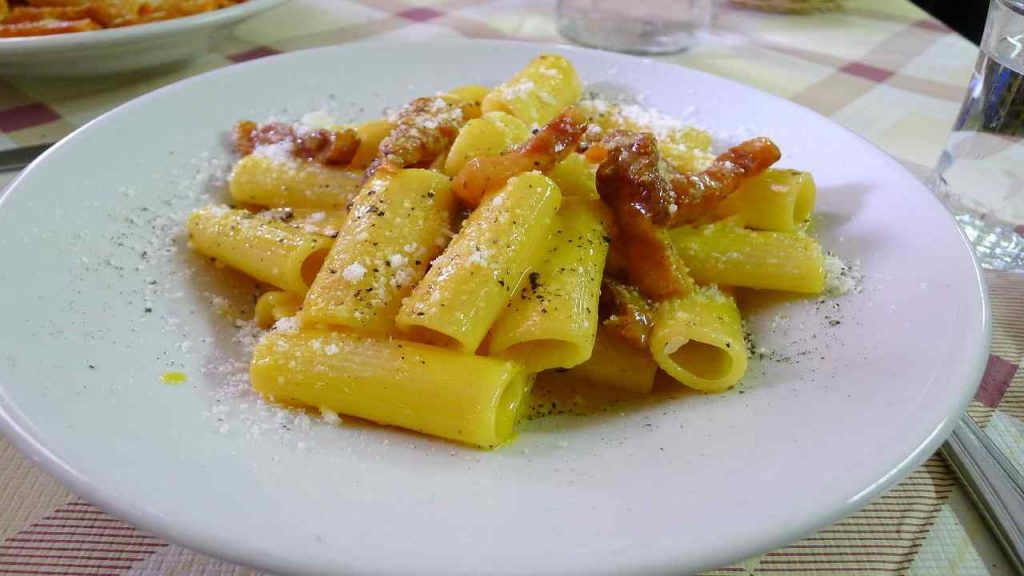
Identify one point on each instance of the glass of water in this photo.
(637, 26)
(980, 174)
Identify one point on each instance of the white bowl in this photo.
(93, 232)
(121, 49)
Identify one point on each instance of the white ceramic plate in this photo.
(122, 49)
(91, 235)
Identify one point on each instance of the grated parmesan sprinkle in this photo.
(841, 278)
(354, 272)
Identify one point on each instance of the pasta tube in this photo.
(552, 321)
(471, 283)
(275, 305)
(686, 147)
(279, 183)
(732, 256)
(370, 134)
(538, 92)
(698, 340)
(398, 224)
(779, 200)
(490, 135)
(269, 251)
(615, 363)
(576, 177)
(312, 220)
(462, 397)
(473, 95)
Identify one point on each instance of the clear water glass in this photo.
(980, 174)
(636, 26)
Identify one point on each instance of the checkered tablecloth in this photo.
(881, 67)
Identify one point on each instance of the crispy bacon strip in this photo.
(648, 196)
(696, 194)
(627, 310)
(547, 147)
(424, 129)
(328, 147)
(630, 183)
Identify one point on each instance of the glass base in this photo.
(997, 245)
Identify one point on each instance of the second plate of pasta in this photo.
(481, 307)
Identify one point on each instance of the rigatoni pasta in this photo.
(538, 92)
(471, 283)
(551, 321)
(272, 181)
(269, 251)
(397, 225)
(730, 255)
(421, 270)
(698, 340)
(778, 200)
(462, 397)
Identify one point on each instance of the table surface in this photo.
(882, 68)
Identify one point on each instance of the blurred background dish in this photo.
(124, 49)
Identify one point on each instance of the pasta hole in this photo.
(539, 355)
(433, 337)
(703, 360)
(312, 264)
(803, 204)
(510, 403)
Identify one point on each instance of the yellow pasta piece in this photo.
(538, 92)
(728, 255)
(280, 183)
(398, 224)
(275, 305)
(473, 95)
(471, 283)
(370, 134)
(462, 397)
(576, 177)
(698, 340)
(492, 134)
(269, 251)
(615, 363)
(779, 200)
(552, 320)
(688, 148)
(312, 220)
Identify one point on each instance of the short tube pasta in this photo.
(370, 134)
(471, 283)
(275, 305)
(473, 95)
(272, 252)
(398, 224)
(538, 92)
(462, 397)
(615, 363)
(576, 177)
(729, 255)
(779, 200)
(280, 183)
(698, 340)
(552, 321)
(490, 135)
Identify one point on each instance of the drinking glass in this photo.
(980, 174)
(637, 26)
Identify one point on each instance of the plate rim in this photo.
(142, 517)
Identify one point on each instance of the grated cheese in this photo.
(354, 272)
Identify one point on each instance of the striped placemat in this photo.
(881, 67)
